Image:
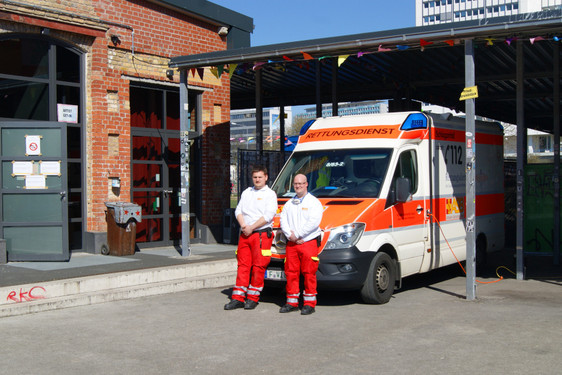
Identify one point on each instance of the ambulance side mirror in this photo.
(402, 189)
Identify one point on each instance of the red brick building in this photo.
(89, 81)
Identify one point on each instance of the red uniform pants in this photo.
(253, 255)
(301, 259)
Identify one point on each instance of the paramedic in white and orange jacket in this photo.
(255, 212)
(300, 221)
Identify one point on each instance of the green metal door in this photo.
(33, 202)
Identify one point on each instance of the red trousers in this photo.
(253, 257)
(301, 259)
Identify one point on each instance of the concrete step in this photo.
(31, 298)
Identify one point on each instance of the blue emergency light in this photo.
(415, 121)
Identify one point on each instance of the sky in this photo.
(294, 20)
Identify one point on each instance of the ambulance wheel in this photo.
(379, 286)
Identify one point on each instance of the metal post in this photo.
(259, 117)
(335, 86)
(318, 89)
(556, 177)
(184, 166)
(282, 129)
(470, 195)
(521, 160)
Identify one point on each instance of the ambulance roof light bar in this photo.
(414, 121)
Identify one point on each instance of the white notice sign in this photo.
(22, 167)
(67, 113)
(32, 145)
(50, 168)
(35, 181)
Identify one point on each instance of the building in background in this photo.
(433, 12)
(91, 111)
(348, 109)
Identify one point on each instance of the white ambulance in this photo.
(387, 182)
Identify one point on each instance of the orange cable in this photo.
(457, 259)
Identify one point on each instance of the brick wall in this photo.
(148, 36)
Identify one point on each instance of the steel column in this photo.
(521, 159)
(556, 126)
(259, 116)
(184, 165)
(470, 196)
(318, 89)
(335, 86)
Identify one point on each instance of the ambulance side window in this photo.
(407, 167)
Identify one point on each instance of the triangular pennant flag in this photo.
(341, 59)
(323, 57)
(258, 65)
(509, 40)
(215, 71)
(424, 43)
(489, 42)
(220, 69)
(401, 47)
(193, 72)
(555, 38)
(450, 42)
(382, 49)
(201, 72)
(307, 56)
(536, 39)
(359, 54)
(231, 69)
(287, 58)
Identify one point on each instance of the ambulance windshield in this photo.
(350, 173)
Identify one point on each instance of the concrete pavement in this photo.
(28, 287)
(426, 328)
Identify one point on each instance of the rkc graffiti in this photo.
(37, 292)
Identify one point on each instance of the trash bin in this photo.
(121, 221)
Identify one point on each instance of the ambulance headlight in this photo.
(345, 236)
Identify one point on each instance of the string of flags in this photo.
(303, 62)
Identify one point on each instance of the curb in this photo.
(32, 298)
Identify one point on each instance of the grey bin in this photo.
(121, 218)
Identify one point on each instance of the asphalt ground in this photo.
(428, 327)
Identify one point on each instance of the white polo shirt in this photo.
(257, 203)
(303, 219)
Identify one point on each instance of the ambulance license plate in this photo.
(275, 275)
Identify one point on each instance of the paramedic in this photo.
(300, 220)
(254, 213)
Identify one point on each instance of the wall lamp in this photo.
(223, 31)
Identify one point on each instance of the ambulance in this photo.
(393, 191)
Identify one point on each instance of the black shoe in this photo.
(250, 305)
(288, 308)
(307, 310)
(234, 304)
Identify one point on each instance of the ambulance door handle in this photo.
(419, 209)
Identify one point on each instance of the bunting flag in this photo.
(424, 43)
(257, 65)
(536, 39)
(201, 72)
(307, 56)
(401, 47)
(231, 69)
(341, 59)
(193, 72)
(287, 58)
(509, 40)
(215, 71)
(450, 42)
(555, 38)
(489, 41)
(359, 54)
(220, 70)
(382, 49)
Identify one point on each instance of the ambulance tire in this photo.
(379, 286)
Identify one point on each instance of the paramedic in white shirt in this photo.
(300, 223)
(255, 212)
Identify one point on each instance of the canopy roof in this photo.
(421, 63)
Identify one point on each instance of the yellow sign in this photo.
(469, 93)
